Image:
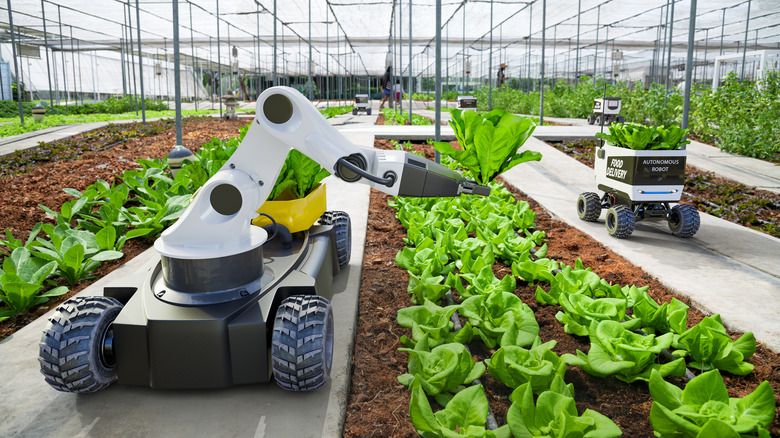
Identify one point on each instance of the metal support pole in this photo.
(140, 59)
(122, 61)
(46, 51)
(530, 26)
(400, 59)
(62, 56)
(664, 62)
(541, 88)
(490, 61)
(606, 50)
(16, 65)
(706, 45)
(689, 66)
(577, 58)
(92, 66)
(219, 63)
(310, 84)
(276, 78)
(744, 46)
(722, 25)
(327, 57)
(463, 51)
(130, 55)
(73, 65)
(410, 58)
(596, 54)
(177, 71)
(669, 55)
(194, 73)
(437, 129)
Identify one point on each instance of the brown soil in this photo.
(378, 405)
(21, 194)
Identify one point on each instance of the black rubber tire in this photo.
(684, 220)
(599, 121)
(354, 111)
(621, 119)
(620, 221)
(368, 111)
(591, 119)
(71, 349)
(302, 343)
(343, 230)
(589, 206)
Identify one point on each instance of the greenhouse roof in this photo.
(354, 37)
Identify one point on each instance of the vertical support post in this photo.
(541, 88)
(177, 71)
(310, 84)
(722, 26)
(73, 65)
(130, 55)
(410, 58)
(16, 65)
(194, 72)
(276, 79)
(577, 58)
(463, 51)
(606, 52)
(62, 55)
(596, 54)
(744, 45)
(219, 62)
(669, 55)
(437, 94)
(46, 52)
(706, 45)
(327, 58)
(140, 60)
(530, 26)
(122, 61)
(689, 66)
(490, 61)
(92, 66)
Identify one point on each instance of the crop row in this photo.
(452, 246)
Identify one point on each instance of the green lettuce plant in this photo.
(555, 414)
(464, 416)
(76, 252)
(664, 318)
(639, 137)
(704, 409)
(445, 369)
(298, 177)
(484, 283)
(710, 347)
(579, 311)
(537, 365)
(22, 279)
(13, 243)
(626, 355)
(490, 142)
(432, 321)
(501, 318)
(569, 281)
(426, 286)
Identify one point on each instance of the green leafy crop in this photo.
(501, 318)
(464, 416)
(490, 142)
(555, 414)
(704, 409)
(627, 355)
(538, 365)
(22, 280)
(431, 321)
(444, 369)
(639, 137)
(299, 176)
(710, 347)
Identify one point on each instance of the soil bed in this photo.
(377, 405)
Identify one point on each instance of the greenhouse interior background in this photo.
(71, 51)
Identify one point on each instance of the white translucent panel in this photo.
(353, 37)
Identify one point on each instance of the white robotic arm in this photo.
(218, 221)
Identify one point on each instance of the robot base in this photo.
(623, 214)
(163, 344)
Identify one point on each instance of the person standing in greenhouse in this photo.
(501, 76)
(385, 84)
(398, 90)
